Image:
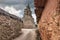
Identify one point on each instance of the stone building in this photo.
(10, 25)
(28, 20)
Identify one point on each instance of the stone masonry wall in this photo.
(49, 25)
(9, 27)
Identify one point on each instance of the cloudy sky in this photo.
(17, 7)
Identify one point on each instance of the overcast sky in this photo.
(17, 7)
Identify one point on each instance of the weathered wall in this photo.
(9, 27)
(39, 5)
(49, 25)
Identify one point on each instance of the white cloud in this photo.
(19, 4)
(12, 10)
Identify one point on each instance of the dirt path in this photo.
(28, 34)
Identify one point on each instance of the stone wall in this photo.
(9, 27)
(49, 25)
